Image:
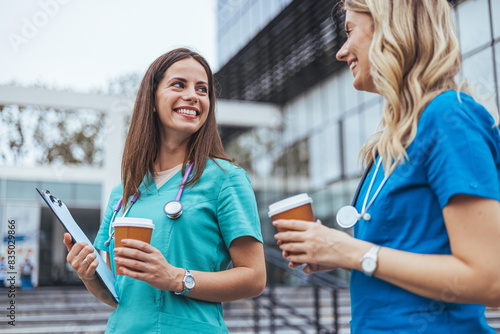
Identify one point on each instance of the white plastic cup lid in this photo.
(289, 203)
(134, 222)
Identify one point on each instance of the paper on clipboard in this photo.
(62, 213)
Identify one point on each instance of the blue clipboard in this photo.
(62, 213)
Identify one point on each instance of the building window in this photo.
(478, 70)
(294, 161)
(474, 24)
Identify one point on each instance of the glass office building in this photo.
(238, 21)
(289, 60)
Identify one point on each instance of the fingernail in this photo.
(124, 241)
(275, 222)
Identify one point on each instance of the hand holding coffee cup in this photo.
(132, 228)
(297, 207)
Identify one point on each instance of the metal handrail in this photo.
(285, 320)
(316, 280)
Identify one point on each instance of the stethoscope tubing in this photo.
(184, 180)
(173, 209)
(111, 232)
(360, 184)
(348, 216)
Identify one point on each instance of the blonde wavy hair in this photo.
(414, 56)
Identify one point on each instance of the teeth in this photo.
(354, 63)
(186, 111)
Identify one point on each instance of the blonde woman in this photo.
(425, 256)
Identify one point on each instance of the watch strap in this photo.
(373, 255)
(186, 289)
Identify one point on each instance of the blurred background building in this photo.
(287, 111)
(283, 52)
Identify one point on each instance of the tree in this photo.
(39, 135)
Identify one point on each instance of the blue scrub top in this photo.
(218, 209)
(456, 151)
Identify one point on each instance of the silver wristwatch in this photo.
(369, 260)
(188, 283)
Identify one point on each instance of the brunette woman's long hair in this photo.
(142, 146)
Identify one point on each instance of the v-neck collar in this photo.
(149, 183)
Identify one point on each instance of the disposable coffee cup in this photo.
(296, 207)
(132, 228)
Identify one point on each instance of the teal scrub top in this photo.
(456, 151)
(218, 209)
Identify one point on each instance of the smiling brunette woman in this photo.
(425, 257)
(213, 252)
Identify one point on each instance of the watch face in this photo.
(368, 265)
(189, 282)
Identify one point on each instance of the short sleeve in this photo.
(461, 148)
(237, 208)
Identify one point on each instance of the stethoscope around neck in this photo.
(173, 209)
(348, 215)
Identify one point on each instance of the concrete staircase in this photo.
(74, 310)
(55, 310)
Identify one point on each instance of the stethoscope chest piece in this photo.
(173, 209)
(347, 216)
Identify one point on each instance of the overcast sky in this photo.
(81, 44)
